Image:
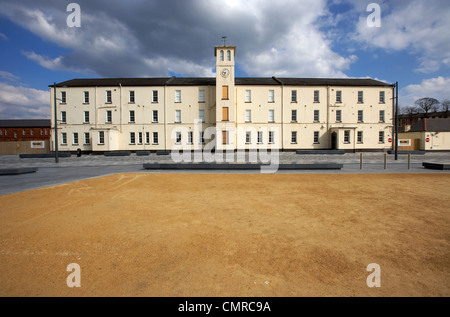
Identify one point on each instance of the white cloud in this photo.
(417, 26)
(8, 76)
(152, 38)
(23, 102)
(433, 87)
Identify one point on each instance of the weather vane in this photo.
(224, 40)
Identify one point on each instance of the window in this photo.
(316, 137)
(155, 116)
(248, 96)
(140, 137)
(338, 96)
(190, 137)
(177, 116)
(201, 115)
(294, 116)
(271, 137)
(86, 97)
(224, 137)
(360, 116)
(248, 137)
(248, 115)
(63, 117)
(177, 95)
(346, 136)
(229, 55)
(224, 113)
(316, 96)
(202, 137)
(360, 97)
(131, 96)
(23, 132)
(108, 116)
(338, 115)
(15, 134)
(224, 92)
(86, 117)
(271, 115)
(132, 138)
(42, 132)
(381, 115)
(360, 137)
(155, 96)
(101, 137)
(271, 96)
(382, 96)
(316, 115)
(155, 137)
(178, 138)
(63, 97)
(87, 138)
(294, 137)
(147, 137)
(260, 137)
(201, 95)
(75, 138)
(31, 132)
(381, 137)
(132, 116)
(64, 138)
(294, 96)
(221, 56)
(108, 96)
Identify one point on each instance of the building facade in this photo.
(24, 130)
(224, 113)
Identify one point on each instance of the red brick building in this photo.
(25, 130)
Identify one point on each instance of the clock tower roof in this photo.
(224, 47)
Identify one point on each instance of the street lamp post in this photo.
(56, 123)
(396, 121)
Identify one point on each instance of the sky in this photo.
(404, 41)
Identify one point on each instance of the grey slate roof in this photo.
(332, 82)
(25, 123)
(432, 125)
(210, 81)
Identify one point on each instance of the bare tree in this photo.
(409, 112)
(445, 106)
(427, 105)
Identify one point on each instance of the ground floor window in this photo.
(381, 137)
(316, 137)
(347, 136)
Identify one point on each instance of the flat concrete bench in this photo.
(142, 153)
(45, 155)
(239, 166)
(436, 166)
(17, 171)
(162, 152)
(117, 153)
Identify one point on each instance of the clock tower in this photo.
(225, 97)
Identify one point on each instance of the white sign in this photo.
(37, 144)
(404, 142)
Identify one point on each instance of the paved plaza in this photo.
(75, 168)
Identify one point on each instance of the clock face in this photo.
(225, 72)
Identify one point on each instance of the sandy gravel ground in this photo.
(229, 235)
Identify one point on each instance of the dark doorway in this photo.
(333, 140)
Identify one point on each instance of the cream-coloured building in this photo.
(225, 112)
